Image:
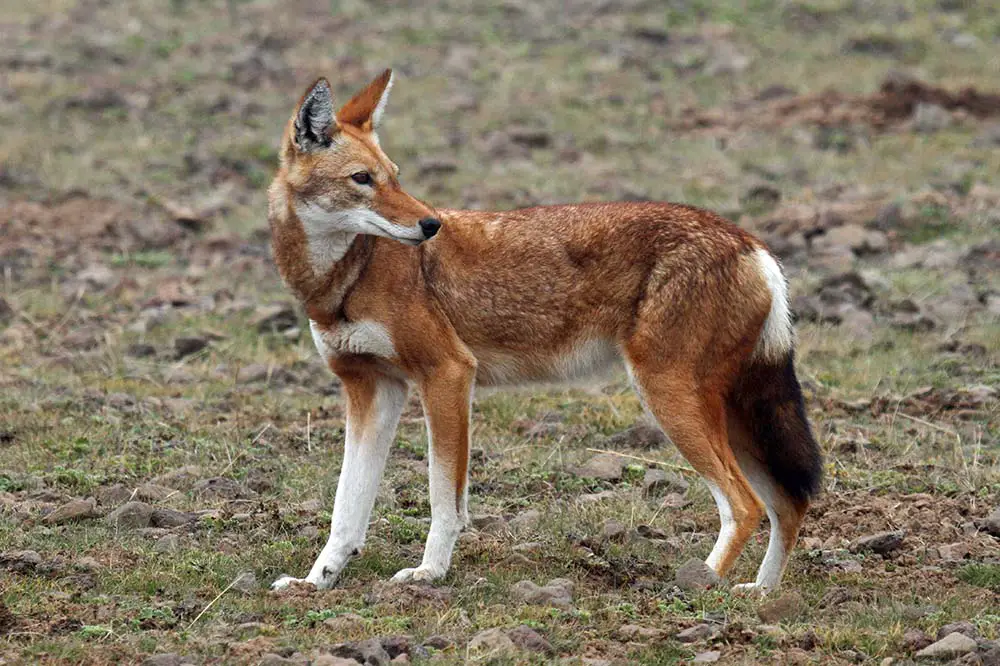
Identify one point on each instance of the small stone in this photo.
(72, 511)
(253, 373)
(612, 530)
(140, 350)
(169, 543)
(367, 652)
(916, 639)
(788, 606)
(396, 645)
(633, 632)
(526, 520)
(330, 660)
(271, 659)
(131, 515)
(639, 436)
(274, 318)
(962, 627)
(220, 487)
(438, 642)
(605, 466)
(491, 643)
(593, 498)
(797, 657)
(930, 118)
(167, 659)
(991, 524)
(698, 632)
(949, 647)
(489, 524)
(163, 517)
(189, 345)
(526, 638)
(246, 583)
(881, 543)
(695, 576)
(87, 564)
(953, 552)
(709, 657)
(657, 482)
(346, 623)
(558, 592)
(20, 561)
(152, 492)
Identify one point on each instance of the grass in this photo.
(200, 97)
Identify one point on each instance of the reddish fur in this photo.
(674, 286)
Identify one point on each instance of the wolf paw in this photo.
(287, 581)
(417, 575)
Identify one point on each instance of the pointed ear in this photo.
(314, 122)
(365, 109)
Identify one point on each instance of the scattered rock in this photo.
(557, 592)
(882, 543)
(131, 515)
(991, 524)
(346, 623)
(606, 466)
(189, 345)
(695, 576)
(491, 643)
(657, 482)
(489, 524)
(709, 657)
(246, 583)
(72, 511)
(169, 543)
(140, 350)
(166, 659)
(612, 530)
(788, 606)
(438, 642)
(368, 652)
(526, 638)
(916, 639)
(163, 517)
(526, 520)
(330, 660)
(698, 632)
(221, 487)
(20, 561)
(153, 492)
(954, 552)
(396, 645)
(639, 436)
(949, 647)
(962, 627)
(929, 118)
(272, 659)
(633, 632)
(274, 318)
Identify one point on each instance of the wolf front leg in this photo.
(374, 404)
(446, 398)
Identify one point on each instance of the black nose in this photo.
(430, 226)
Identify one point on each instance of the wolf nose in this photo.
(430, 226)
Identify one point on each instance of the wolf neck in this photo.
(320, 268)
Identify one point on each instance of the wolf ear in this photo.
(314, 123)
(365, 109)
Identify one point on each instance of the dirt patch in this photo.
(894, 104)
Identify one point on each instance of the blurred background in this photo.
(150, 355)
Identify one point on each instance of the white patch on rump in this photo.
(777, 337)
(354, 337)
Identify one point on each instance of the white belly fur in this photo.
(583, 360)
(354, 337)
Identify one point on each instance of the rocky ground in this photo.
(169, 441)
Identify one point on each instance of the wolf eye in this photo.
(362, 178)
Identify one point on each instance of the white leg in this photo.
(727, 527)
(784, 519)
(374, 407)
(448, 436)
